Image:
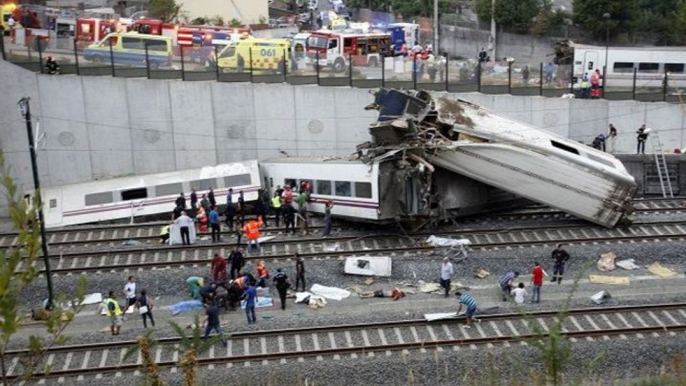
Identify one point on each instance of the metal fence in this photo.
(362, 71)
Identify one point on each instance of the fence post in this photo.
(383, 71)
(571, 80)
(633, 87)
(147, 61)
(2, 45)
(665, 82)
(316, 66)
(414, 71)
(216, 62)
(350, 69)
(183, 65)
(447, 65)
(76, 57)
(250, 54)
(509, 78)
(28, 49)
(112, 57)
(540, 81)
(40, 55)
(478, 77)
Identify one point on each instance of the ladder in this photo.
(661, 163)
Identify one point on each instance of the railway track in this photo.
(201, 254)
(367, 340)
(148, 233)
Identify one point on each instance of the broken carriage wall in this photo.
(102, 127)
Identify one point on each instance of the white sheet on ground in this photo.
(440, 316)
(261, 303)
(332, 293)
(265, 238)
(627, 264)
(175, 235)
(309, 299)
(446, 242)
(368, 266)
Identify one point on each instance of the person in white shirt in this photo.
(446, 273)
(519, 293)
(11, 22)
(184, 222)
(130, 293)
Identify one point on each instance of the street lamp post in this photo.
(607, 16)
(25, 110)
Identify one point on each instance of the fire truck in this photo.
(92, 29)
(335, 50)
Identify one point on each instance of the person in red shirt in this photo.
(537, 281)
(219, 273)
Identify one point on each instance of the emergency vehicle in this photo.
(90, 30)
(403, 33)
(185, 35)
(333, 50)
(129, 49)
(6, 11)
(256, 55)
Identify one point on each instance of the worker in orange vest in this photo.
(252, 232)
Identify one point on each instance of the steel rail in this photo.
(376, 348)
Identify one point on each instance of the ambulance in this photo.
(129, 49)
(256, 55)
(5, 13)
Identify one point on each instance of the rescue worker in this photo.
(289, 218)
(230, 212)
(164, 234)
(194, 202)
(262, 274)
(302, 200)
(51, 66)
(214, 224)
(205, 204)
(201, 220)
(276, 207)
(327, 218)
(210, 197)
(584, 86)
(599, 142)
(181, 201)
(194, 283)
(561, 257)
(282, 283)
(114, 312)
(184, 222)
(260, 208)
(613, 137)
(219, 274)
(237, 262)
(241, 210)
(299, 272)
(641, 140)
(252, 232)
(595, 84)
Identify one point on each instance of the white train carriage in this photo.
(352, 185)
(127, 197)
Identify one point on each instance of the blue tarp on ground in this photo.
(186, 306)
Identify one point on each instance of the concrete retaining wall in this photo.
(102, 127)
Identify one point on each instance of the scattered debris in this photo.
(627, 264)
(357, 289)
(332, 248)
(601, 297)
(482, 274)
(607, 262)
(262, 302)
(446, 242)
(440, 316)
(369, 281)
(262, 239)
(600, 279)
(661, 271)
(368, 266)
(330, 292)
(132, 242)
(429, 287)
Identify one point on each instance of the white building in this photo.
(247, 11)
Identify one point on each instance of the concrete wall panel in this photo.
(666, 119)
(151, 126)
(551, 114)
(627, 117)
(513, 107)
(587, 119)
(234, 122)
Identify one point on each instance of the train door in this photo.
(590, 62)
(52, 207)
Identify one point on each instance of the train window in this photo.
(290, 182)
(99, 198)
(590, 65)
(134, 194)
(205, 184)
(168, 189)
(237, 180)
(323, 187)
(564, 147)
(623, 67)
(649, 67)
(53, 203)
(674, 68)
(343, 189)
(363, 190)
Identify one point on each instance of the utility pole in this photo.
(25, 110)
(436, 41)
(492, 42)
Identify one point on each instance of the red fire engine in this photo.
(335, 50)
(92, 29)
(182, 35)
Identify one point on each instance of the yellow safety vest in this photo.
(276, 202)
(117, 309)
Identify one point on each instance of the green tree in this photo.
(199, 21)
(13, 281)
(681, 17)
(624, 15)
(517, 16)
(165, 10)
(217, 21)
(235, 23)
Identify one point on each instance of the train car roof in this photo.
(313, 159)
(616, 48)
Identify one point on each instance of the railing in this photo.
(260, 65)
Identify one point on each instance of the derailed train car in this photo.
(471, 141)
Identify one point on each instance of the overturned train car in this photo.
(470, 141)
